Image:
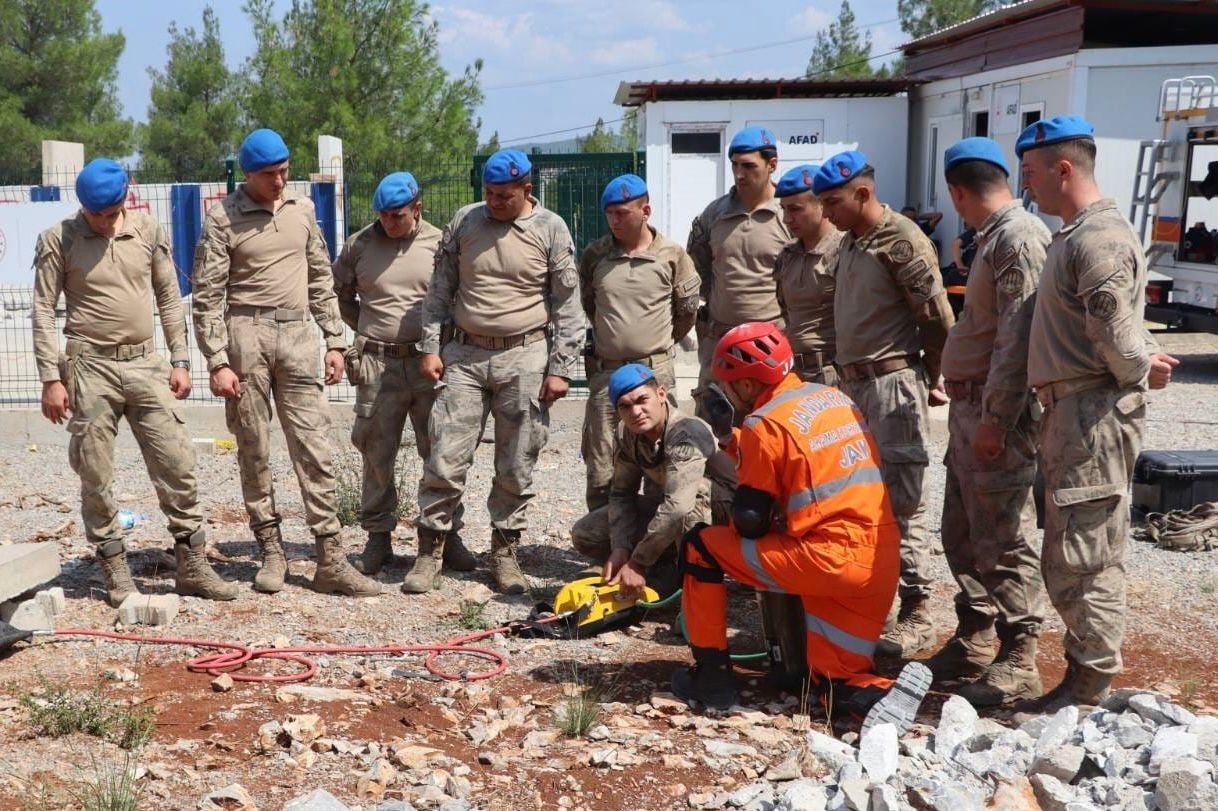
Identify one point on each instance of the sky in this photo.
(550, 67)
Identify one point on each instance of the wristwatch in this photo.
(181, 364)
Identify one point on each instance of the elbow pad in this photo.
(751, 511)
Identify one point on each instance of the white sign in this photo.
(20, 225)
(1004, 110)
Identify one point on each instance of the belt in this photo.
(115, 351)
(878, 368)
(501, 342)
(810, 361)
(969, 390)
(274, 313)
(599, 364)
(389, 350)
(1050, 393)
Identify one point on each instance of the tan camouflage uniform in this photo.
(638, 306)
(679, 476)
(890, 311)
(381, 283)
(806, 281)
(512, 291)
(1088, 359)
(258, 278)
(110, 369)
(989, 519)
(734, 252)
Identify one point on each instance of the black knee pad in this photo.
(711, 573)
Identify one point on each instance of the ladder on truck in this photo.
(1179, 99)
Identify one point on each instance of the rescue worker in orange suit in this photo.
(810, 517)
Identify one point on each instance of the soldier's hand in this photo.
(553, 388)
(937, 396)
(617, 558)
(55, 404)
(631, 578)
(1161, 365)
(225, 383)
(334, 366)
(989, 442)
(430, 366)
(179, 383)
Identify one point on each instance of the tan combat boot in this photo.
(970, 650)
(1012, 676)
(274, 561)
(422, 575)
(504, 566)
(196, 577)
(456, 556)
(913, 631)
(335, 575)
(377, 552)
(119, 585)
(1052, 701)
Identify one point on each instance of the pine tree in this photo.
(922, 17)
(842, 51)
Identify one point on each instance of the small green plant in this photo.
(404, 476)
(1209, 586)
(348, 495)
(578, 712)
(473, 616)
(111, 787)
(59, 710)
(1189, 689)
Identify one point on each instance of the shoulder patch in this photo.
(685, 452)
(901, 251)
(1102, 305)
(1011, 282)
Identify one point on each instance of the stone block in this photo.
(148, 609)
(26, 615)
(204, 445)
(318, 800)
(53, 601)
(26, 566)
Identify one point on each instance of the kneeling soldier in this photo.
(109, 262)
(810, 517)
(669, 454)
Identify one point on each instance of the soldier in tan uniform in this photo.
(892, 317)
(261, 269)
(640, 293)
(806, 273)
(1091, 361)
(674, 459)
(109, 263)
(506, 279)
(989, 518)
(734, 243)
(380, 278)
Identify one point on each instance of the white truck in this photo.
(1175, 206)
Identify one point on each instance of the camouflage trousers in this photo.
(989, 523)
(102, 390)
(600, 423)
(478, 382)
(590, 535)
(895, 406)
(1090, 443)
(388, 392)
(279, 360)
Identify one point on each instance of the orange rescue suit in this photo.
(834, 540)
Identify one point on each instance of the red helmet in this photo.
(759, 351)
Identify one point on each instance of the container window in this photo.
(696, 143)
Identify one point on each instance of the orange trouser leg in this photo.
(846, 585)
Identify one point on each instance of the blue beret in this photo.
(797, 180)
(394, 191)
(975, 149)
(1053, 131)
(839, 170)
(751, 139)
(262, 148)
(506, 166)
(101, 184)
(628, 378)
(623, 189)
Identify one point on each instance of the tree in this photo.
(58, 75)
(628, 134)
(367, 71)
(491, 146)
(192, 120)
(842, 51)
(922, 17)
(601, 139)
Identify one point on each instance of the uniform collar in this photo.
(246, 204)
(875, 230)
(379, 230)
(86, 230)
(735, 209)
(647, 253)
(521, 223)
(1103, 204)
(788, 383)
(797, 247)
(999, 216)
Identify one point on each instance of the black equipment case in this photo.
(1174, 480)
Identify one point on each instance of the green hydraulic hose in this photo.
(676, 595)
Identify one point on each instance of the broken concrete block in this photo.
(148, 609)
(52, 601)
(26, 566)
(204, 444)
(27, 615)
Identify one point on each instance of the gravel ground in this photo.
(1172, 595)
